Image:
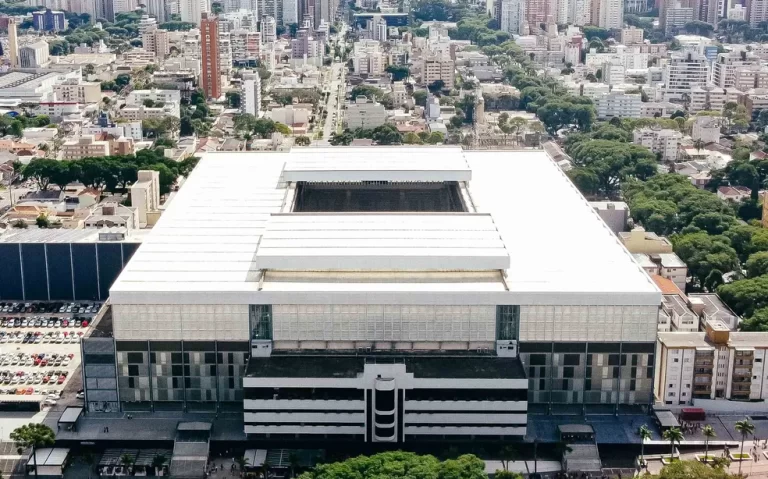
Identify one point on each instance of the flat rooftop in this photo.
(206, 246)
(387, 164)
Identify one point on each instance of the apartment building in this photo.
(34, 55)
(367, 58)
(754, 100)
(138, 113)
(713, 364)
(676, 316)
(364, 113)
(210, 77)
(245, 45)
(512, 18)
(399, 93)
(707, 129)
(618, 104)
(754, 76)
(711, 98)
(666, 265)
(663, 141)
(436, 68)
(78, 91)
(424, 341)
(251, 87)
(137, 97)
(632, 36)
(757, 12)
(83, 147)
(683, 72)
(640, 241)
(725, 67)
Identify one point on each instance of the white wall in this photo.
(177, 322)
(588, 323)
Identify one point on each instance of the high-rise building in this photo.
(725, 67)
(191, 10)
(512, 16)
(157, 9)
(251, 99)
(209, 46)
(271, 8)
(48, 20)
(683, 72)
(105, 9)
(536, 12)
(33, 55)
(610, 14)
(120, 6)
(291, 12)
(13, 43)
(225, 53)
(268, 29)
(757, 12)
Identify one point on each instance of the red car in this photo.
(85, 323)
(61, 379)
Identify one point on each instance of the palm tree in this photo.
(745, 428)
(127, 461)
(508, 454)
(673, 435)
(89, 459)
(645, 435)
(158, 462)
(34, 436)
(241, 463)
(709, 432)
(294, 461)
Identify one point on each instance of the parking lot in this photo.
(40, 348)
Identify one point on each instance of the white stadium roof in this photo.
(228, 221)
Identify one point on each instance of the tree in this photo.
(747, 296)
(401, 465)
(758, 322)
(436, 86)
(713, 280)
(508, 454)
(709, 433)
(704, 253)
(233, 99)
(507, 475)
(33, 435)
(420, 97)
(398, 72)
(241, 463)
(369, 91)
(645, 435)
(412, 138)
(159, 461)
(282, 128)
(746, 428)
(17, 128)
(127, 461)
(673, 435)
(757, 264)
(691, 470)
(302, 141)
(90, 460)
(42, 221)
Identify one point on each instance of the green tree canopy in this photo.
(400, 465)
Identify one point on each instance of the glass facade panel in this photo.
(261, 321)
(507, 321)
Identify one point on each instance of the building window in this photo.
(507, 320)
(261, 321)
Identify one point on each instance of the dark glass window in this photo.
(507, 320)
(261, 321)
